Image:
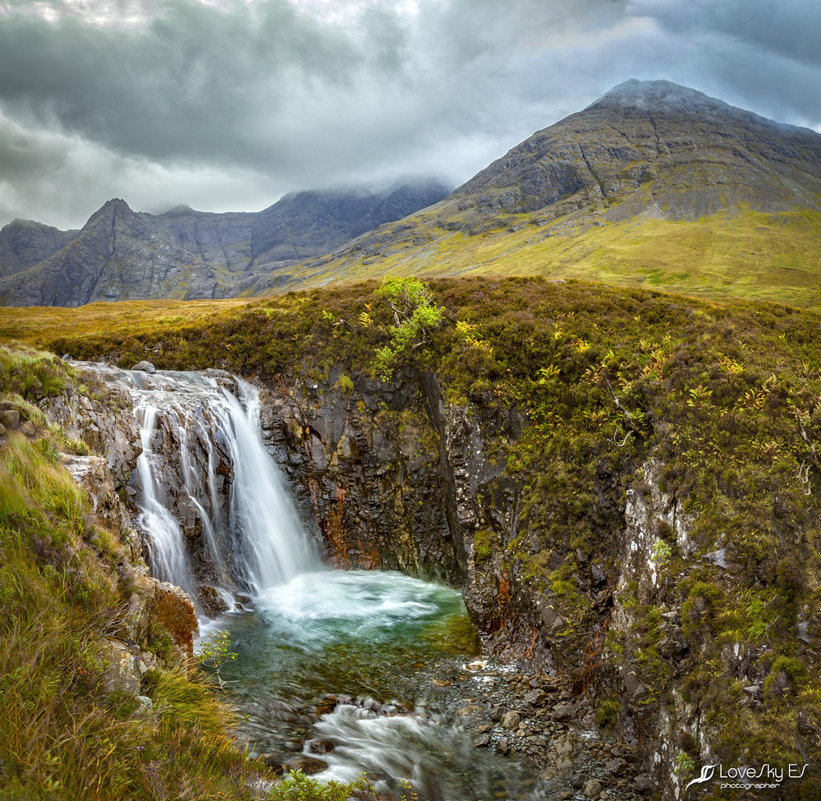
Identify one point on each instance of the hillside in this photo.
(628, 483)
(121, 254)
(653, 184)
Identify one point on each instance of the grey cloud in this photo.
(260, 97)
(787, 27)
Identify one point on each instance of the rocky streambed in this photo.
(420, 706)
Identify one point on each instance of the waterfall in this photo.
(211, 499)
(167, 554)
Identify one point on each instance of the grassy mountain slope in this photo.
(653, 184)
(732, 254)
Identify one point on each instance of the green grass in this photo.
(729, 254)
(64, 733)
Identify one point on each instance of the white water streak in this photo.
(256, 541)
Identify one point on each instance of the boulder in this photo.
(172, 609)
(511, 719)
(308, 765)
(145, 367)
(10, 418)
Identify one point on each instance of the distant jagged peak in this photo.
(20, 223)
(112, 207)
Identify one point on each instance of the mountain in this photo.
(24, 243)
(653, 183)
(122, 254)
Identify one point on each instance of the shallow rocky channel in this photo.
(403, 697)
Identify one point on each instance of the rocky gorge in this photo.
(631, 516)
(376, 493)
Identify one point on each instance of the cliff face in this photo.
(391, 476)
(24, 243)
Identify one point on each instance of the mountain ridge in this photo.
(182, 253)
(653, 183)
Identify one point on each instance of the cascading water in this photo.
(203, 460)
(217, 515)
(167, 553)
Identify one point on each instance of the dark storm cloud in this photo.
(762, 54)
(228, 103)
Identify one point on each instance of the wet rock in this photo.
(293, 745)
(643, 784)
(502, 746)
(272, 761)
(308, 765)
(592, 788)
(511, 719)
(212, 601)
(325, 705)
(145, 367)
(482, 741)
(321, 746)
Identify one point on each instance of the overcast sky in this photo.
(227, 104)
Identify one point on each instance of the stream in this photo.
(338, 673)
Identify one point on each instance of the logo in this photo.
(707, 772)
(764, 777)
